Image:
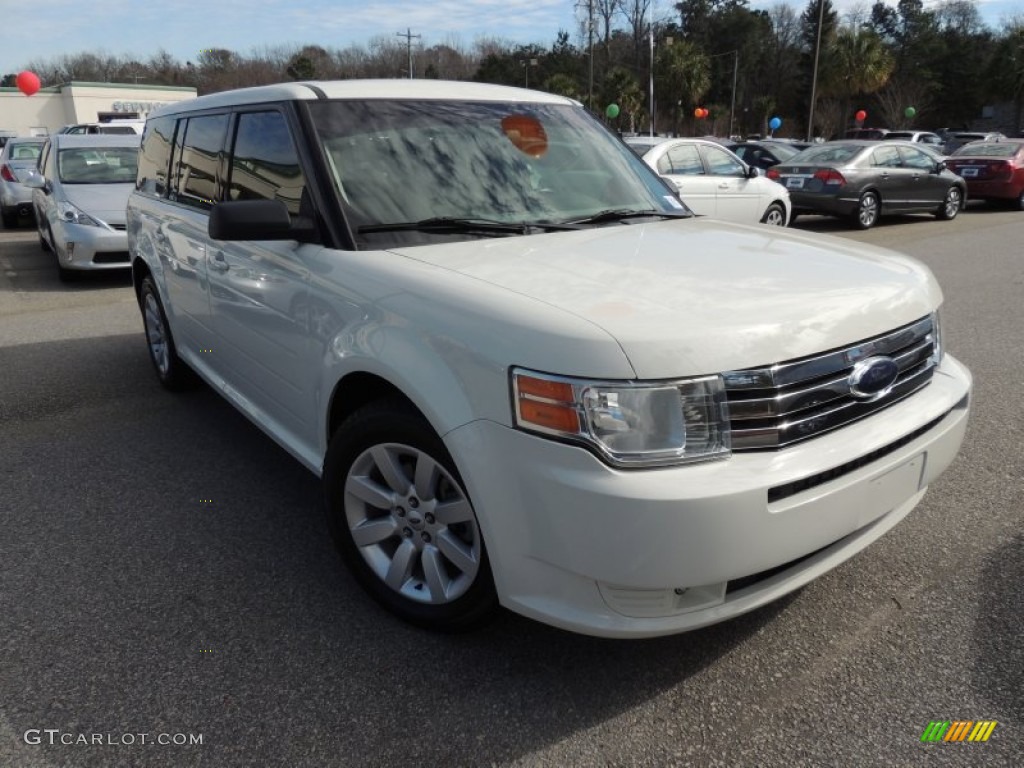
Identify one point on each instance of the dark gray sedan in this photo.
(862, 180)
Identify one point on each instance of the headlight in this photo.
(936, 336)
(629, 424)
(73, 215)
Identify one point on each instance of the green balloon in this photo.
(909, 111)
(612, 110)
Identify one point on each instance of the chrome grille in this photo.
(782, 404)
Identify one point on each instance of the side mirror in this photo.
(940, 166)
(257, 220)
(35, 180)
(753, 172)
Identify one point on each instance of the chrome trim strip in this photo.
(785, 374)
(774, 406)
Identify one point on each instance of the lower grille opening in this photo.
(113, 257)
(780, 492)
(735, 585)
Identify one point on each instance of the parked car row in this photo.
(858, 179)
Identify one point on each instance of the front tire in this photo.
(951, 205)
(775, 215)
(866, 215)
(170, 369)
(402, 521)
(1020, 201)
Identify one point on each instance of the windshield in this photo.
(523, 164)
(98, 165)
(24, 152)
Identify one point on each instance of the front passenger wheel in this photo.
(402, 521)
(775, 215)
(952, 204)
(866, 215)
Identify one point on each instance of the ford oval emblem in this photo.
(873, 377)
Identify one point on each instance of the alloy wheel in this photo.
(156, 335)
(412, 523)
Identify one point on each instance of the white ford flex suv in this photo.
(525, 373)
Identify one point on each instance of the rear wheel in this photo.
(10, 219)
(866, 215)
(402, 521)
(951, 205)
(1020, 201)
(775, 215)
(172, 372)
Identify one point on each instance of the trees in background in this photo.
(941, 59)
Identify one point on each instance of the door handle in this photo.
(217, 263)
(724, 185)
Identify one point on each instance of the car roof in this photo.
(68, 140)
(396, 89)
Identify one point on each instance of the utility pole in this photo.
(732, 105)
(814, 78)
(590, 33)
(409, 36)
(651, 78)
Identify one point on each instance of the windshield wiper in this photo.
(619, 214)
(450, 224)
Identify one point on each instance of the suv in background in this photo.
(120, 127)
(957, 139)
(927, 138)
(524, 372)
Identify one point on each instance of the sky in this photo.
(49, 28)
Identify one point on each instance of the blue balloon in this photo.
(775, 123)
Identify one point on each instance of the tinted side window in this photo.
(683, 159)
(914, 158)
(264, 164)
(721, 163)
(155, 157)
(886, 157)
(195, 181)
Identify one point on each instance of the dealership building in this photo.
(52, 108)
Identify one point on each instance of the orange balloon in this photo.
(698, 113)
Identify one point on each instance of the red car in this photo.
(993, 170)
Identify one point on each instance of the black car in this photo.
(766, 154)
(865, 179)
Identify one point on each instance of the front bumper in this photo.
(640, 553)
(94, 247)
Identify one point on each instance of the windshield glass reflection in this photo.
(404, 162)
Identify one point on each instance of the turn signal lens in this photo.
(628, 423)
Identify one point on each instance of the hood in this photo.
(699, 296)
(106, 202)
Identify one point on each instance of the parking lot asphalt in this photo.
(165, 569)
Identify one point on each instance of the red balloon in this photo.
(861, 115)
(27, 82)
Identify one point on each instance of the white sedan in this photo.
(713, 181)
